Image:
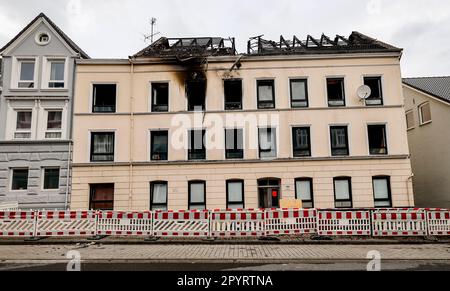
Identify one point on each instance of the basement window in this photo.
(196, 94)
(233, 94)
(160, 97)
(377, 139)
(266, 94)
(336, 92)
(376, 95)
(104, 99)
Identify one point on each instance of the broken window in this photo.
(382, 191)
(266, 94)
(342, 192)
(197, 149)
(196, 94)
(233, 94)
(234, 144)
(51, 178)
(104, 99)
(377, 139)
(339, 141)
(299, 93)
(410, 121)
(19, 179)
(304, 192)
(267, 143)
(336, 92)
(376, 95)
(23, 125)
(160, 97)
(301, 142)
(197, 195)
(158, 195)
(425, 113)
(102, 197)
(159, 145)
(102, 147)
(235, 194)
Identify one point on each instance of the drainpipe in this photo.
(410, 201)
(130, 176)
(68, 183)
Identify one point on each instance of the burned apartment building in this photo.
(152, 131)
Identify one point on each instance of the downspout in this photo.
(410, 201)
(131, 152)
(70, 132)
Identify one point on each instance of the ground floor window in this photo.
(101, 197)
(235, 194)
(158, 195)
(197, 195)
(343, 192)
(382, 191)
(304, 192)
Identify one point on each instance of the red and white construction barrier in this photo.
(237, 223)
(399, 222)
(194, 223)
(117, 223)
(17, 223)
(438, 221)
(344, 222)
(290, 221)
(65, 223)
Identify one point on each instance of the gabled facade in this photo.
(427, 104)
(36, 115)
(189, 124)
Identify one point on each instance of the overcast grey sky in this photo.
(115, 28)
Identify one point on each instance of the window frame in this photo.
(242, 202)
(225, 95)
(191, 142)
(259, 102)
(91, 146)
(152, 97)
(350, 199)
(91, 192)
(17, 69)
(241, 151)
(46, 80)
(331, 127)
(343, 91)
(388, 179)
(380, 82)
(47, 130)
(17, 130)
(411, 111)
(44, 169)
(386, 148)
(152, 204)
(311, 188)
(187, 94)
(12, 170)
(305, 81)
(421, 122)
(92, 103)
(275, 141)
(152, 132)
(293, 129)
(190, 203)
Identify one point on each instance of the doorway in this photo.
(269, 192)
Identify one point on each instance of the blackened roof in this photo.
(56, 28)
(438, 87)
(355, 43)
(185, 48)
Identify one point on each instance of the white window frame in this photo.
(14, 124)
(421, 122)
(46, 64)
(16, 70)
(45, 122)
(43, 179)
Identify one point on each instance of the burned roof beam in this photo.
(283, 41)
(310, 38)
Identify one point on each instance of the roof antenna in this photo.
(152, 34)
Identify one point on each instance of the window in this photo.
(234, 144)
(102, 147)
(27, 73)
(377, 139)
(233, 94)
(160, 97)
(301, 142)
(159, 145)
(19, 179)
(197, 195)
(376, 97)
(339, 141)
(235, 194)
(101, 197)
(336, 92)
(196, 94)
(23, 125)
(54, 125)
(267, 143)
(104, 99)
(57, 68)
(197, 149)
(410, 120)
(304, 192)
(158, 195)
(299, 93)
(51, 179)
(343, 192)
(382, 191)
(42, 38)
(266, 94)
(425, 113)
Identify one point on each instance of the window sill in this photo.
(24, 90)
(54, 90)
(426, 123)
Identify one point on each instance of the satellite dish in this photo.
(364, 92)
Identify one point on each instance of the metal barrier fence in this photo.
(227, 223)
(344, 222)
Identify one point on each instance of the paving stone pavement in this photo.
(201, 252)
